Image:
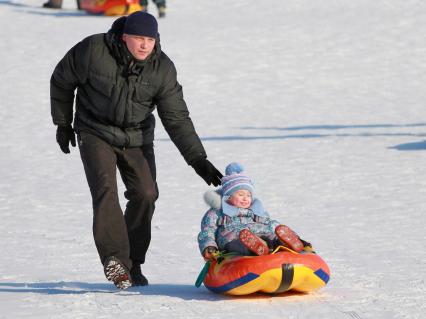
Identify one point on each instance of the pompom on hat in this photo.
(142, 24)
(234, 180)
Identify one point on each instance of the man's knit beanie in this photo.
(142, 24)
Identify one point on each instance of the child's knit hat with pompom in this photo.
(234, 180)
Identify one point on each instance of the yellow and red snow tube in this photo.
(110, 7)
(274, 273)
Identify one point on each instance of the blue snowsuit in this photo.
(220, 227)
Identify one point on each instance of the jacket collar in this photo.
(232, 211)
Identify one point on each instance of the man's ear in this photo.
(124, 37)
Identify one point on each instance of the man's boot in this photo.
(117, 272)
(138, 279)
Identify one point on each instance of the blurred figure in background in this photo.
(161, 6)
(57, 4)
(53, 4)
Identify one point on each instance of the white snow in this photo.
(323, 102)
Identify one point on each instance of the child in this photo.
(238, 223)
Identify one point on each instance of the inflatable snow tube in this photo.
(275, 273)
(110, 7)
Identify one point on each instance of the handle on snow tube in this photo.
(202, 274)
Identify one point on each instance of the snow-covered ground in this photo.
(322, 101)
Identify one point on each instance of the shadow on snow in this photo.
(61, 287)
(329, 131)
(185, 292)
(415, 146)
(334, 127)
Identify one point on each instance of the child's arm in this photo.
(207, 235)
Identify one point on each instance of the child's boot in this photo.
(253, 243)
(289, 237)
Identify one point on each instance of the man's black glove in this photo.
(65, 135)
(207, 171)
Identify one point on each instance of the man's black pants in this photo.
(127, 236)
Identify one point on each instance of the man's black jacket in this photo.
(117, 94)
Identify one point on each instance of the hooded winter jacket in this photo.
(116, 94)
(221, 225)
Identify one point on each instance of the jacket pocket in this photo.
(144, 92)
(99, 98)
(102, 85)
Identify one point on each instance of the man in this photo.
(120, 77)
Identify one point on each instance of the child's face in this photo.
(241, 198)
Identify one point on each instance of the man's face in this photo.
(139, 46)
